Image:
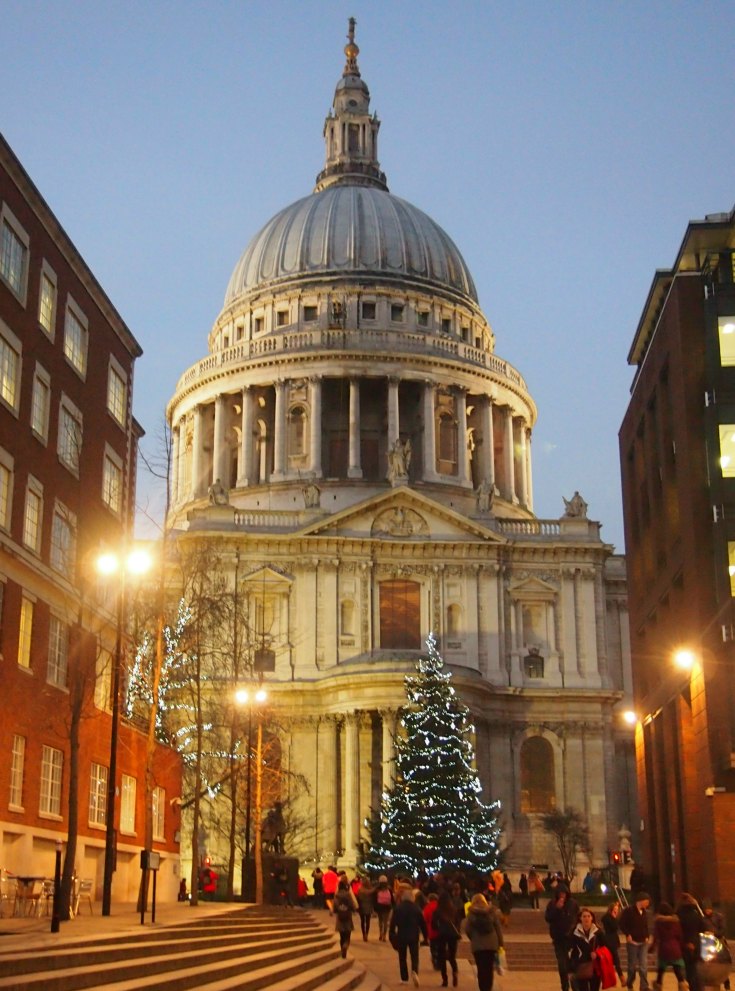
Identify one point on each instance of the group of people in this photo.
(434, 911)
(588, 951)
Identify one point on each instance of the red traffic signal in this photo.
(616, 858)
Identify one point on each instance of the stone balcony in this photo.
(345, 342)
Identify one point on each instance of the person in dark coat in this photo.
(505, 900)
(585, 941)
(366, 903)
(406, 928)
(692, 925)
(343, 905)
(485, 934)
(447, 937)
(668, 940)
(561, 916)
(634, 926)
(610, 925)
(713, 921)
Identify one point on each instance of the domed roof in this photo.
(351, 230)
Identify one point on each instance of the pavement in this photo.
(377, 957)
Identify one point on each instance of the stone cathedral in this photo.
(360, 450)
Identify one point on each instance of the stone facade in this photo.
(353, 436)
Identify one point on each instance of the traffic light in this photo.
(627, 856)
(616, 858)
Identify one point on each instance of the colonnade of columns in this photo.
(204, 445)
(345, 783)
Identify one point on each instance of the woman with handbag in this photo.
(447, 937)
(585, 941)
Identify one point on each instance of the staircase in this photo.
(247, 950)
(527, 942)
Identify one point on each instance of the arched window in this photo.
(296, 430)
(454, 620)
(347, 618)
(537, 776)
(400, 615)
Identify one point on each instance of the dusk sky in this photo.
(564, 146)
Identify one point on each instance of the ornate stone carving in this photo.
(399, 522)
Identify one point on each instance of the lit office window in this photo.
(52, 765)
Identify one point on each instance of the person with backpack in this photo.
(344, 905)
(384, 902)
(485, 934)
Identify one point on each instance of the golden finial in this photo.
(351, 51)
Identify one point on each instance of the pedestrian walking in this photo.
(505, 900)
(523, 885)
(344, 904)
(485, 934)
(535, 885)
(713, 921)
(692, 924)
(407, 925)
(585, 941)
(561, 917)
(668, 941)
(448, 936)
(366, 904)
(384, 902)
(428, 913)
(634, 926)
(610, 925)
(330, 880)
(317, 876)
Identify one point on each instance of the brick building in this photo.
(677, 450)
(67, 459)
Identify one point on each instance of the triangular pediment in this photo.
(403, 514)
(268, 577)
(532, 587)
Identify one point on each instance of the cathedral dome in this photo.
(351, 230)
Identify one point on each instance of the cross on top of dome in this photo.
(351, 51)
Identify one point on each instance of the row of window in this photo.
(369, 312)
(51, 777)
(14, 268)
(62, 552)
(11, 357)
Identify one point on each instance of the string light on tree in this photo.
(433, 816)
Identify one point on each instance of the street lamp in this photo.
(250, 697)
(134, 562)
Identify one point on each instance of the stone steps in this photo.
(244, 950)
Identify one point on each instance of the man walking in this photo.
(634, 926)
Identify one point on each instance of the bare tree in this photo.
(571, 834)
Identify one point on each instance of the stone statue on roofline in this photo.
(218, 494)
(575, 507)
(399, 460)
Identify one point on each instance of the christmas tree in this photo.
(433, 818)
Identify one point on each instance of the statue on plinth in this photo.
(399, 459)
(218, 494)
(576, 506)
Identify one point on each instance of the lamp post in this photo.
(134, 562)
(244, 696)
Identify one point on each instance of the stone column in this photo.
(175, 430)
(354, 468)
(245, 466)
(508, 460)
(523, 480)
(488, 442)
(279, 439)
(351, 804)
(220, 467)
(462, 450)
(198, 485)
(430, 473)
(315, 425)
(388, 720)
(529, 475)
(183, 470)
(394, 426)
(326, 804)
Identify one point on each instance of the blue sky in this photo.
(563, 146)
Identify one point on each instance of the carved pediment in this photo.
(403, 514)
